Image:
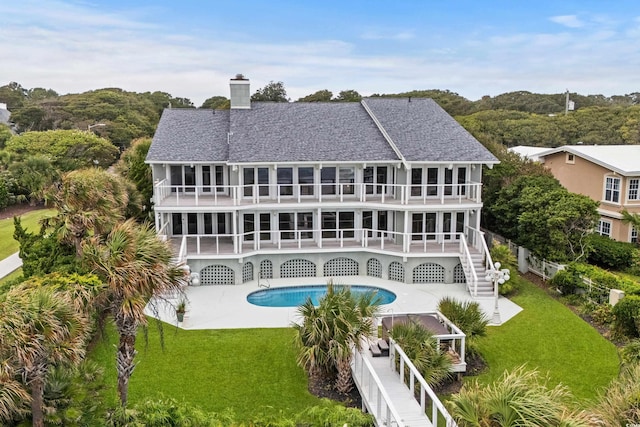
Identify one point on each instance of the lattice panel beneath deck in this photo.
(298, 268)
(396, 271)
(374, 268)
(341, 267)
(458, 274)
(247, 272)
(266, 269)
(428, 273)
(217, 275)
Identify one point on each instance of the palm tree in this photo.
(138, 269)
(88, 200)
(518, 398)
(329, 332)
(421, 347)
(469, 317)
(40, 328)
(13, 395)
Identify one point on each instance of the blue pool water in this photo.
(294, 296)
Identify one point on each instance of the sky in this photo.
(192, 48)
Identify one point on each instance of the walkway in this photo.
(10, 264)
(405, 406)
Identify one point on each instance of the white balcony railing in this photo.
(375, 396)
(382, 240)
(400, 364)
(233, 195)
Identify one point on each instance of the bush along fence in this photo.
(596, 284)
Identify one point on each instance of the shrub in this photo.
(630, 353)
(468, 317)
(566, 281)
(608, 253)
(626, 317)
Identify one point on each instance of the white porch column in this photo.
(234, 231)
(405, 238)
(318, 232)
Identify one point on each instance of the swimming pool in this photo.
(294, 296)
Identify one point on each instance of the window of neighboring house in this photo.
(634, 235)
(604, 228)
(633, 193)
(612, 189)
(571, 158)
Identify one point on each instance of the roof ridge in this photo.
(386, 135)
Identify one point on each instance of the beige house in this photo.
(609, 174)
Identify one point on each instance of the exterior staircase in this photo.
(485, 287)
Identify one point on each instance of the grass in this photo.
(548, 336)
(30, 221)
(252, 371)
(11, 276)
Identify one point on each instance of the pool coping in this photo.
(226, 306)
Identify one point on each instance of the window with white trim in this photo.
(634, 235)
(612, 189)
(633, 193)
(604, 228)
(571, 158)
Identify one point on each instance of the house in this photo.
(5, 115)
(609, 174)
(528, 152)
(385, 187)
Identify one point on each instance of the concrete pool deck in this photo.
(226, 306)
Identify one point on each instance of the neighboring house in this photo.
(389, 188)
(609, 174)
(5, 115)
(528, 152)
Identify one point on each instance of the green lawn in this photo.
(548, 336)
(8, 245)
(252, 371)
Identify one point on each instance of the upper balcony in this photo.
(187, 196)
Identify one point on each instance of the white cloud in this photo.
(570, 21)
(75, 48)
(378, 35)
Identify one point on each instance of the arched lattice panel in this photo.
(374, 268)
(298, 268)
(428, 273)
(396, 271)
(247, 272)
(458, 274)
(266, 269)
(217, 275)
(341, 267)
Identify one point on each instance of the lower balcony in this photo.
(239, 245)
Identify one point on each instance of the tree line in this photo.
(514, 118)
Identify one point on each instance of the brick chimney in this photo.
(240, 98)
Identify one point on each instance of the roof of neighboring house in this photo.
(378, 129)
(528, 152)
(623, 159)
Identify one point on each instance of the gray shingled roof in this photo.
(423, 131)
(188, 135)
(305, 131)
(315, 132)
